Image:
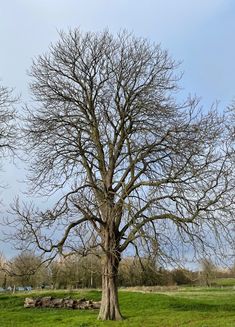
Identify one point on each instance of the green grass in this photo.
(195, 307)
(224, 281)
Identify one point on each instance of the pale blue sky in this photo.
(198, 32)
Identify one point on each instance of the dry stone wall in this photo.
(68, 303)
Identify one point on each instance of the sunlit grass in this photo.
(195, 307)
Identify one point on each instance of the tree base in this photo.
(107, 316)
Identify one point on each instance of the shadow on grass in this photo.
(191, 305)
(150, 304)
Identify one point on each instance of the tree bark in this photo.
(109, 309)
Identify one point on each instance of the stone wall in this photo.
(68, 303)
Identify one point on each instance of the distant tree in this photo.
(25, 269)
(76, 272)
(183, 276)
(54, 269)
(208, 271)
(130, 272)
(135, 271)
(232, 271)
(131, 162)
(3, 262)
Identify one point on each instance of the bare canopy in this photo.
(7, 115)
(107, 133)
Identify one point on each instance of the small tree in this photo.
(24, 270)
(131, 162)
(208, 271)
(182, 276)
(3, 261)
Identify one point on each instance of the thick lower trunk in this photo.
(109, 309)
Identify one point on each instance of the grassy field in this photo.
(224, 282)
(195, 307)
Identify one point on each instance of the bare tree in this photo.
(3, 263)
(131, 163)
(7, 115)
(7, 131)
(23, 269)
(208, 271)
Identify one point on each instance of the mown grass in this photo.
(224, 282)
(195, 307)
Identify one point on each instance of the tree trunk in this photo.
(109, 309)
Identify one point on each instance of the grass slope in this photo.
(194, 307)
